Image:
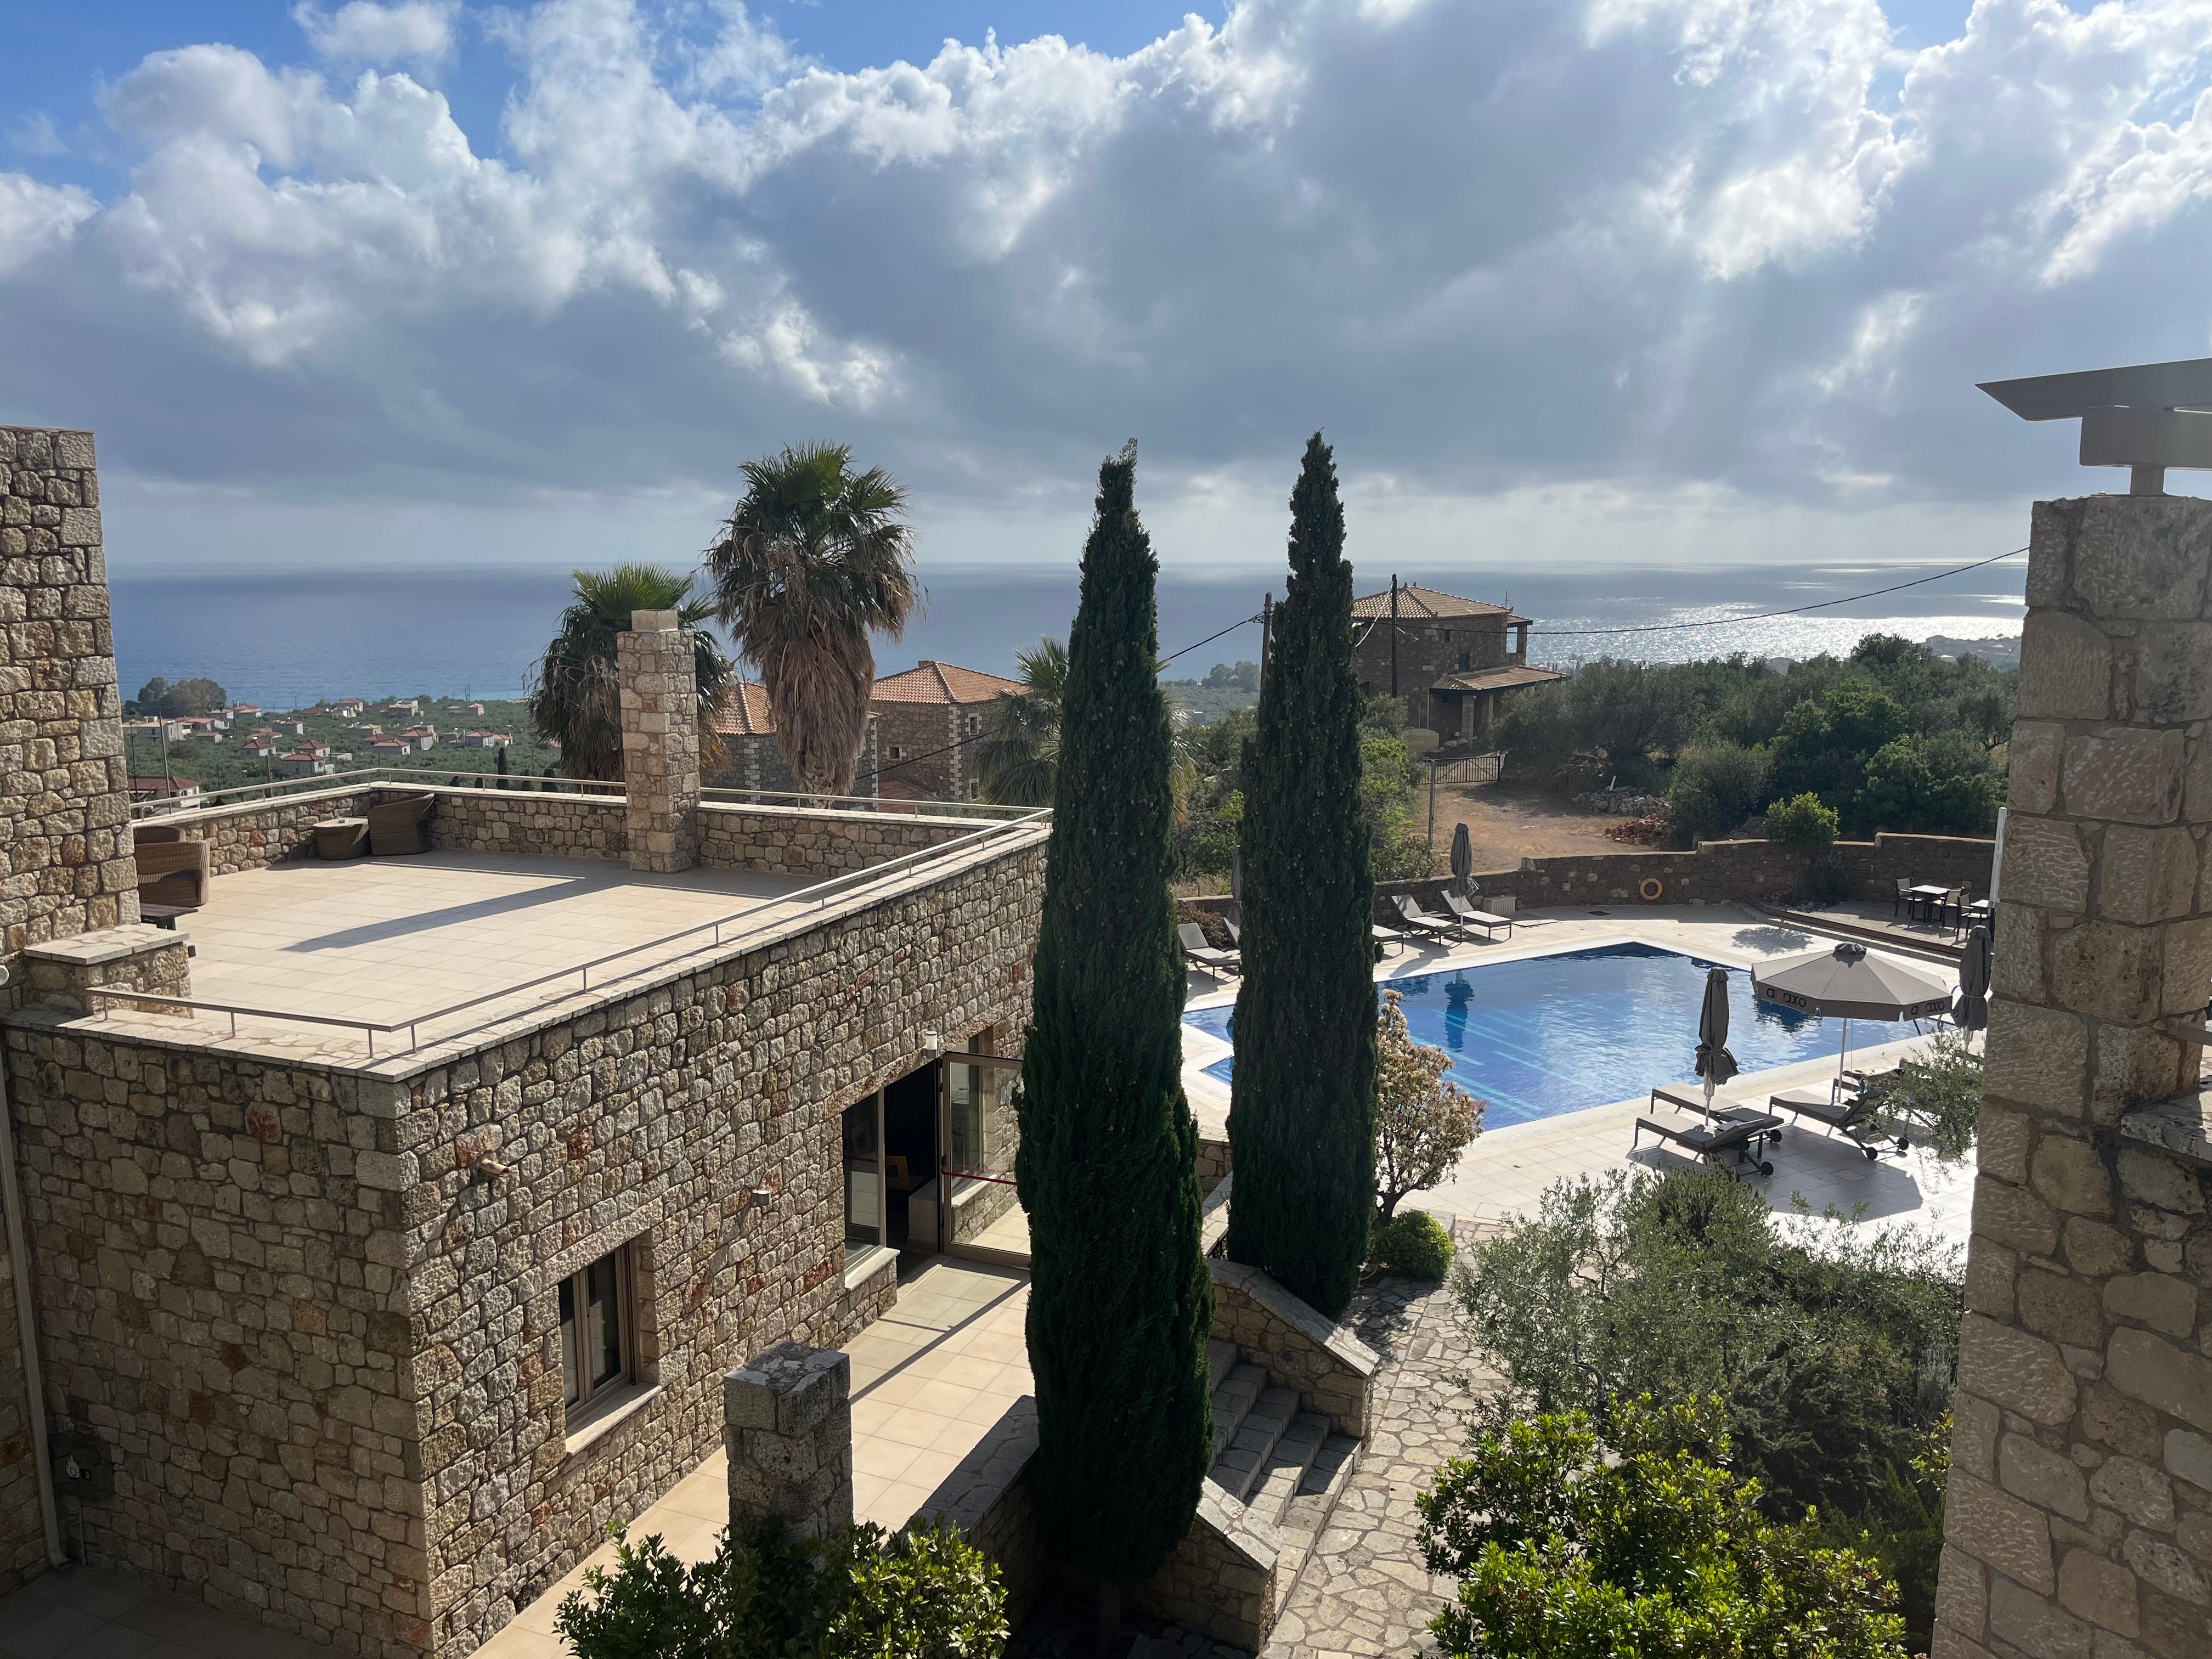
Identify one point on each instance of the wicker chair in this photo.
(395, 827)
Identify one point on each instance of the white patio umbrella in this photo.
(1850, 982)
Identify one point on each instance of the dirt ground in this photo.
(1508, 824)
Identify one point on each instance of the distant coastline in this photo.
(287, 639)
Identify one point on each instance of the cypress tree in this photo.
(1301, 1100)
(1120, 1299)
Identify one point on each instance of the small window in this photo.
(897, 753)
(1465, 661)
(972, 725)
(599, 1343)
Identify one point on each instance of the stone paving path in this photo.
(1364, 1591)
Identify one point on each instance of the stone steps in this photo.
(1306, 1511)
(1240, 1465)
(1233, 1396)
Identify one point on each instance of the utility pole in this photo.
(1394, 637)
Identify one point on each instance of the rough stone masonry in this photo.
(659, 741)
(66, 862)
(2079, 1512)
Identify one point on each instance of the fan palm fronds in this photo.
(812, 560)
(575, 701)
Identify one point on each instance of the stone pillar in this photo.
(660, 742)
(66, 862)
(787, 1426)
(2078, 1516)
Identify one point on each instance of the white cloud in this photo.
(35, 219)
(413, 31)
(1749, 247)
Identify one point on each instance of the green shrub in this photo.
(1717, 786)
(1802, 821)
(1942, 1090)
(1639, 1544)
(920, 1592)
(1826, 882)
(1833, 1358)
(1414, 1246)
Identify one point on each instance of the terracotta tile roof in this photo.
(744, 713)
(1497, 679)
(942, 682)
(1424, 603)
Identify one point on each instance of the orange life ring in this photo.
(1653, 888)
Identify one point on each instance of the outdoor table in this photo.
(1924, 897)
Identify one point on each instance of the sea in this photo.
(287, 640)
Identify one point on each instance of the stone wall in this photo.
(217, 1273)
(659, 742)
(930, 729)
(527, 823)
(801, 842)
(1332, 1370)
(22, 1531)
(137, 956)
(987, 1498)
(653, 1122)
(1719, 871)
(254, 835)
(2078, 1518)
(313, 1311)
(65, 862)
(1221, 1578)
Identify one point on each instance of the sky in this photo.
(1565, 282)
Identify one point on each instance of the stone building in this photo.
(386, 1249)
(2079, 1513)
(930, 719)
(1455, 661)
(751, 758)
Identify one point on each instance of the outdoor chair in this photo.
(1850, 1107)
(1738, 1135)
(1195, 950)
(1903, 902)
(395, 827)
(1470, 917)
(1950, 908)
(172, 879)
(1421, 921)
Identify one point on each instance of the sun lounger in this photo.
(1690, 1100)
(1739, 1133)
(1470, 917)
(1387, 936)
(1196, 949)
(1421, 921)
(1854, 1111)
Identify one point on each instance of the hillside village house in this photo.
(1455, 661)
(752, 759)
(394, 1241)
(932, 718)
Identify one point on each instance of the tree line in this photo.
(1892, 737)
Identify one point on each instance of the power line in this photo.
(1765, 616)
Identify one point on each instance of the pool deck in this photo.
(1506, 1170)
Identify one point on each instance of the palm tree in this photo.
(813, 559)
(1019, 762)
(576, 701)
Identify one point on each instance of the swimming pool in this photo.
(1553, 1034)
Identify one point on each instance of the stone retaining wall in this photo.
(1221, 1578)
(22, 1530)
(988, 1499)
(1332, 1371)
(531, 823)
(1718, 872)
(801, 842)
(344, 1287)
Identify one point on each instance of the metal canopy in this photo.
(2146, 417)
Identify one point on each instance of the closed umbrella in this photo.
(1715, 1063)
(1850, 982)
(1236, 886)
(1462, 858)
(1973, 1011)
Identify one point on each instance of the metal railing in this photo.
(818, 896)
(409, 777)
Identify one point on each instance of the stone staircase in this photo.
(1282, 1463)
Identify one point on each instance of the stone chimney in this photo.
(660, 742)
(2078, 1518)
(65, 859)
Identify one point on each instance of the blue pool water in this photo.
(1555, 1034)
